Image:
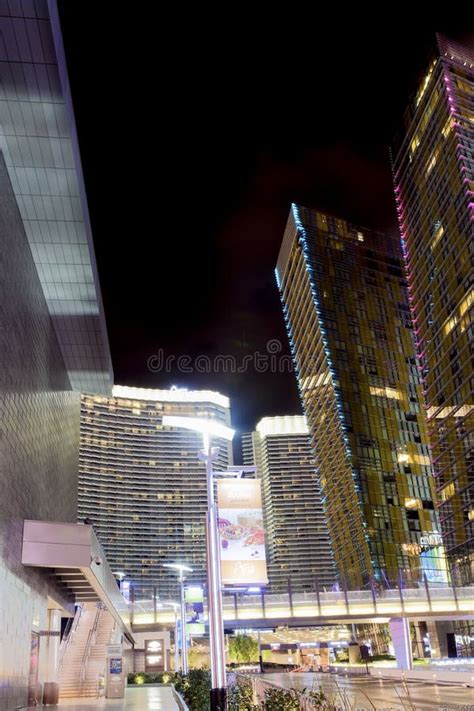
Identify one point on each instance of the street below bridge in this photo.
(362, 692)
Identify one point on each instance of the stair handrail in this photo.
(69, 635)
(87, 649)
(109, 641)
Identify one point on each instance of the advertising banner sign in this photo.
(115, 665)
(195, 628)
(194, 594)
(242, 537)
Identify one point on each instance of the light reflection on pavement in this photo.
(382, 693)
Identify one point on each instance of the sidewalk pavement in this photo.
(153, 698)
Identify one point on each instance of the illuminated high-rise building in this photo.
(296, 531)
(142, 483)
(346, 309)
(434, 187)
(247, 449)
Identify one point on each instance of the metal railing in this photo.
(336, 698)
(260, 686)
(87, 649)
(69, 635)
(429, 599)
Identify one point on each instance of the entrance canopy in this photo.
(77, 560)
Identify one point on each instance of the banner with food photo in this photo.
(242, 537)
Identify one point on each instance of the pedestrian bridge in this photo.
(305, 609)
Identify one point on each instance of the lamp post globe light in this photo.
(209, 428)
(181, 569)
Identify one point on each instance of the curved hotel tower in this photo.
(346, 309)
(434, 188)
(143, 485)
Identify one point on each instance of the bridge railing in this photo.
(425, 598)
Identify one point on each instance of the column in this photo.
(400, 633)
(52, 639)
(438, 631)
(354, 652)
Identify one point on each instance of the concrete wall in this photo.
(39, 419)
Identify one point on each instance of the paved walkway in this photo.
(152, 698)
(383, 693)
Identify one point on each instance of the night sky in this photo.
(194, 143)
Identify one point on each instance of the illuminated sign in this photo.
(242, 537)
(172, 395)
(431, 539)
(154, 658)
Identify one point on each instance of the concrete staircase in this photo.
(85, 654)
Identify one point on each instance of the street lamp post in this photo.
(210, 428)
(176, 606)
(214, 588)
(184, 651)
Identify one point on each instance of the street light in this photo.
(181, 570)
(209, 454)
(176, 606)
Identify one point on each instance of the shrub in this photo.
(321, 701)
(282, 700)
(145, 678)
(136, 678)
(243, 648)
(240, 695)
(195, 688)
(277, 699)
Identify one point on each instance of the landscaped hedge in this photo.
(140, 678)
(195, 688)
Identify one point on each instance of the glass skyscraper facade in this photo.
(142, 483)
(434, 187)
(296, 532)
(345, 304)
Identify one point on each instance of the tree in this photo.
(198, 657)
(243, 648)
